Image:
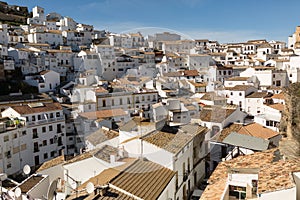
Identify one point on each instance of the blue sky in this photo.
(222, 20)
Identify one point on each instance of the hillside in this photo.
(13, 14)
(290, 122)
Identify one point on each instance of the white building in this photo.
(254, 103)
(45, 126)
(45, 81)
(237, 95)
(180, 151)
(15, 145)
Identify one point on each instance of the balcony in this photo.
(36, 149)
(35, 135)
(185, 176)
(44, 121)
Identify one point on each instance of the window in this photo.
(8, 165)
(33, 118)
(44, 142)
(112, 102)
(278, 83)
(51, 141)
(39, 117)
(231, 93)
(103, 103)
(44, 129)
(59, 128)
(240, 94)
(15, 135)
(51, 115)
(52, 153)
(23, 132)
(6, 138)
(121, 101)
(291, 75)
(50, 128)
(57, 114)
(8, 154)
(45, 155)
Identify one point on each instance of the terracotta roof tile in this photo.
(144, 179)
(257, 130)
(215, 113)
(277, 106)
(37, 108)
(238, 78)
(273, 175)
(278, 96)
(101, 114)
(257, 95)
(51, 163)
(240, 87)
(174, 142)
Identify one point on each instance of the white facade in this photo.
(15, 146)
(46, 81)
(238, 97)
(45, 129)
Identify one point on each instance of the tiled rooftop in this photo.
(53, 162)
(215, 113)
(253, 129)
(144, 179)
(274, 175)
(257, 130)
(240, 88)
(174, 142)
(45, 107)
(238, 78)
(105, 152)
(277, 106)
(278, 96)
(101, 135)
(257, 95)
(100, 114)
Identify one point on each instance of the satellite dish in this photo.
(3, 176)
(18, 192)
(90, 187)
(51, 190)
(26, 169)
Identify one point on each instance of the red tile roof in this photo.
(38, 108)
(101, 114)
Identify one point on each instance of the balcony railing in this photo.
(44, 121)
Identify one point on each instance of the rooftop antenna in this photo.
(52, 190)
(90, 187)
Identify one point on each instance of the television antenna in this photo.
(90, 187)
(52, 190)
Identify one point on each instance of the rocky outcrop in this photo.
(13, 14)
(290, 122)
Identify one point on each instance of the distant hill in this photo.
(13, 14)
